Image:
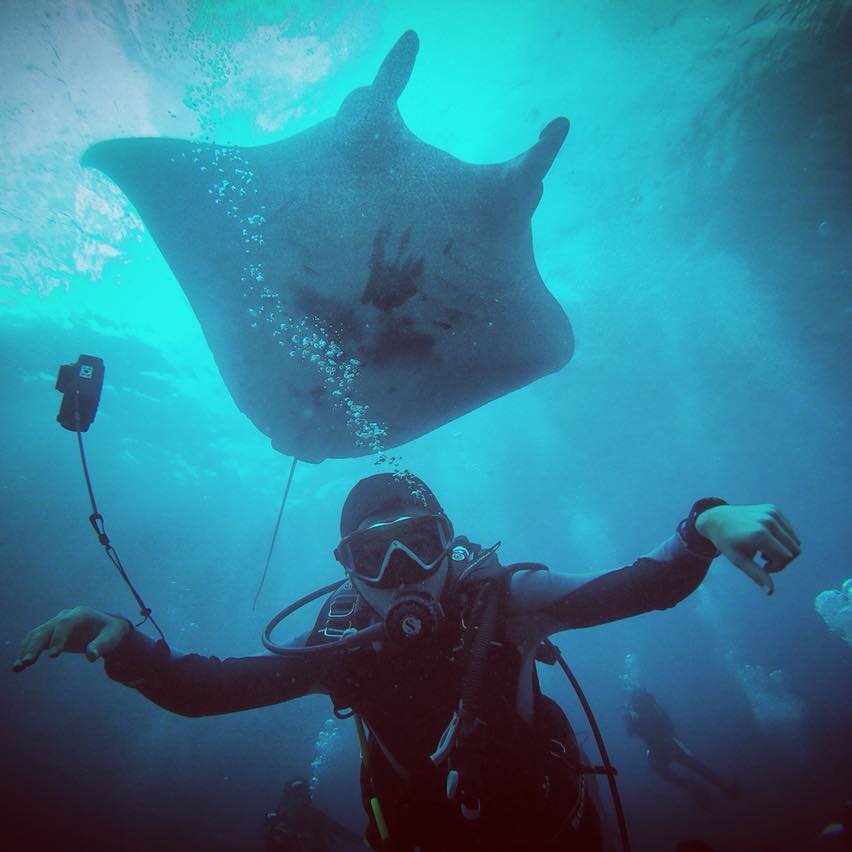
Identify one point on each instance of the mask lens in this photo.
(367, 552)
(402, 569)
(364, 553)
(424, 539)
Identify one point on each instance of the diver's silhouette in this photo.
(645, 718)
(297, 826)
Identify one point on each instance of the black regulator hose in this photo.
(607, 769)
(356, 639)
(484, 617)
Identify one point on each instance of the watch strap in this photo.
(690, 536)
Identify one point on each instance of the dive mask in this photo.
(397, 552)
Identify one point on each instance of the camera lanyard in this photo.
(96, 519)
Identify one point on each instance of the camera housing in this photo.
(80, 385)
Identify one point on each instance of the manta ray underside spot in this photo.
(357, 286)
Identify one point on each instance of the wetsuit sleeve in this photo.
(553, 601)
(193, 685)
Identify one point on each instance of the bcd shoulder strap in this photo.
(344, 610)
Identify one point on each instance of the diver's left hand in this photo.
(741, 532)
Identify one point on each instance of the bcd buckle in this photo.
(340, 612)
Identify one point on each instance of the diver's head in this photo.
(297, 789)
(640, 698)
(384, 494)
(394, 546)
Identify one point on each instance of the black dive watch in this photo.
(690, 536)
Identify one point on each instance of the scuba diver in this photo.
(430, 642)
(645, 718)
(297, 826)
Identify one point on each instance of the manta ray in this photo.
(357, 286)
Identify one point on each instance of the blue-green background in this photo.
(697, 229)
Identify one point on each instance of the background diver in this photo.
(297, 826)
(645, 718)
(432, 642)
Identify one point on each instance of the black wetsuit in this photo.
(645, 718)
(297, 826)
(532, 795)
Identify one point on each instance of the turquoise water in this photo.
(696, 229)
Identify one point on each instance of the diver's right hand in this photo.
(81, 630)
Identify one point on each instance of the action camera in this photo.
(80, 385)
